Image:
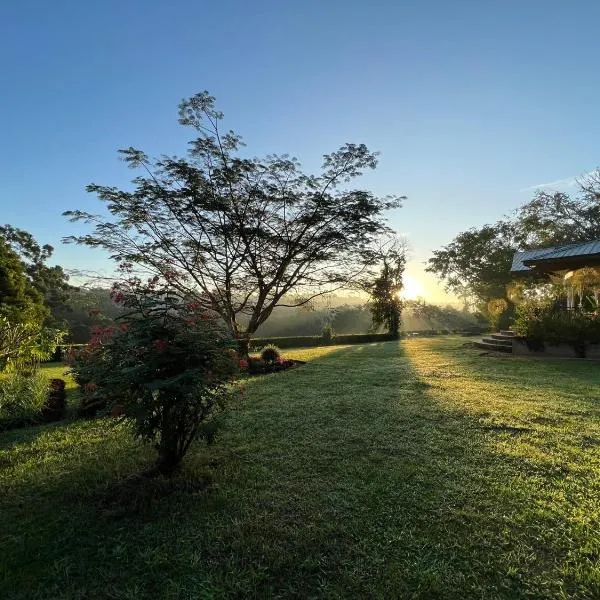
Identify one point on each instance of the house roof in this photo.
(566, 256)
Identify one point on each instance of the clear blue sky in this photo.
(469, 102)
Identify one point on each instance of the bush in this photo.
(167, 366)
(24, 344)
(540, 323)
(270, 354)
(22, 398)
(56, 402)
(328, 333)
(309, 341)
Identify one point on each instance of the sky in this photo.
(471, 104)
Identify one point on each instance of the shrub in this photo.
(327, 333)
(309, 341)
(166, 366)
(23, 344)
(256, 365)
(22, 397)
(56, 402)
(540, 322)
(270, 354)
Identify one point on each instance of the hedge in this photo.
(307, 341)
(310, 341)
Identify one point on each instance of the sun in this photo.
(411, 289)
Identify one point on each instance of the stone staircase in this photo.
(497, 342)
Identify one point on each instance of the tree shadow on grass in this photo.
(349, 477)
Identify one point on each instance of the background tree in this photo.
(242, 235)
(477, 262)
(553, 218)
(50, 281)
(385, 302)
(20, 301)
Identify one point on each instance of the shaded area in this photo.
(419, 470)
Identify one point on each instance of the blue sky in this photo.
(470, 103)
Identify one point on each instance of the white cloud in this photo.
(560, 183)
(567, 182)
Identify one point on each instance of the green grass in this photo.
(413, 470)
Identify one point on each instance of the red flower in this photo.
(161, 345)
(243, 364)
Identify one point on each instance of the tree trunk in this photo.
(167, 463)
(243, 344)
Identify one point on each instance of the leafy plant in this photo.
(22, 397)
(25, 344)
(270, 354)
(167, 366)
(540, 321)
(327, 333)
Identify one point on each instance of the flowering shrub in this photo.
(165, 368)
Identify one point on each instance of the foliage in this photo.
(167, 365)
(327, 334)
(24, 344)
(257, 365)
(84, 309)
(421, 315)
(308, 341)
(496, 309)
(554, 218)
(384, 290)
(22, 397)
(270, 354)
(20, 302)
(56, 403)
(50, 282)
(477, 262)
(540, 322)
(241, 235)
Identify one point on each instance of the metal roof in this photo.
(523, 261)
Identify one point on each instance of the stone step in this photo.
(493, 346)
(501, 342)
(507, 332)
(502, 336)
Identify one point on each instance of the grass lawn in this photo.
(413, 470)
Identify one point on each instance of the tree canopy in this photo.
(20, 301)
(477, 262)
(50, 281)
(242, 235)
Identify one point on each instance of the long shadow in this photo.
(351, 477)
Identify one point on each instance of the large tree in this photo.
(553, 218)
(50, 281)
(20, 302)
(241, 234)
(477, 261)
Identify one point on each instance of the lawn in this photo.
(414, 470)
